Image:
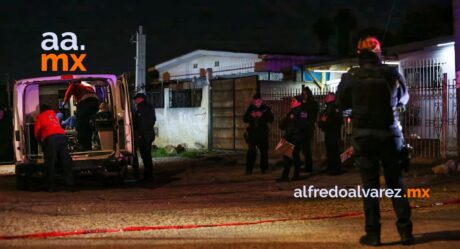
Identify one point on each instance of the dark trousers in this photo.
(86, 109)
(144, 143)
(307, 153)
(294, 160)
(56, 153)
(331, 140)
(262, 144)
(369, 151)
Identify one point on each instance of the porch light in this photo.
(445, 44)
(391, 62)
(329, 71)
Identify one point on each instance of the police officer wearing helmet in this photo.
(258, 115)
(374, 92)
(144, 120)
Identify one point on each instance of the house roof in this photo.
(419, 45)
(199, 53)
(389, 52)
(264, 56)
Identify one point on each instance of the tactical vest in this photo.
(372, 94)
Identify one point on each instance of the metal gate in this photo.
(430, 121)
(229, 101)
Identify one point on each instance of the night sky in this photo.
(177, 27)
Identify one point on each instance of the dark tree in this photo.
(324, 29)
(345, 22)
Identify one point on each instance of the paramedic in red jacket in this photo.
(87, 107)
(49, 133)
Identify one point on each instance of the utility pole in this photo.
(140, 61)
(456, 15)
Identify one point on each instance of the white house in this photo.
(190, 125)
(188, 66)
(184, 117)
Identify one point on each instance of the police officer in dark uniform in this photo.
(144, 120)
(310, 109)
(330, 122)
(295, 127)
(374, 92)
(258, 115)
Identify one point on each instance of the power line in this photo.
(388, 21)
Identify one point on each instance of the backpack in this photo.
(372, 94)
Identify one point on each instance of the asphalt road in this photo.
(212, 204)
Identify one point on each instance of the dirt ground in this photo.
(236, 210)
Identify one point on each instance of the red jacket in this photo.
(46, 125)
(78, 91)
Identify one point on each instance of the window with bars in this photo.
(156, 99)
(185, 98)
(423, 73)
(186, 94)
(156, 96)
(424, 80)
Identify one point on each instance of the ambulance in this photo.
(112, 153)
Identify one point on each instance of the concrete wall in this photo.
(188, 126)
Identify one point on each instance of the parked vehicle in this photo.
(112, 147)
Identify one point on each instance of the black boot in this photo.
(370, 240)
(407, 239)
(285, 175)
(148, 175)
(309, 168)
(405, 231)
